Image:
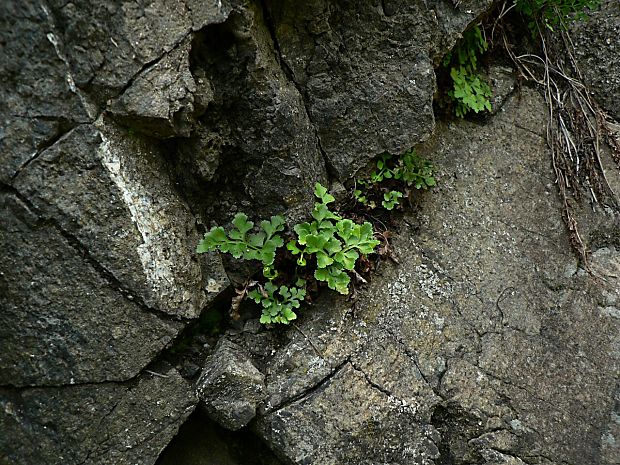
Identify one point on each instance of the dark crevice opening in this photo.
(221, 57)
(190, 348)
(201, 441)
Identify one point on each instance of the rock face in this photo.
(131, 221)
(107, 423)
(35, 112)
(253, 118)
(161, 99)
(485, 345)
(128, 128)
(62, 321)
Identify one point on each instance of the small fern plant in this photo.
(470, 91)
(277, 303)
(335, 242)
(409, 168)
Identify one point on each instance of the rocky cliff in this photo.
(129, 128)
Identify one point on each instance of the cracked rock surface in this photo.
(128, 128)
(363, 77)
(106, 423)
(485, 345)
(62, 322)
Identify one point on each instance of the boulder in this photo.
(111, 193)
(63, 321)
(368, 83)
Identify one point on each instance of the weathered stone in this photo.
(94, 424)
(597, 49)
(485, 332)
(255, 116)
(349, 421)
(487, 345)
(200, 155)
(610, 440)
(201, 441)
(493, 457)
(309, 358)
(386, 365)
(367, 82)
(39, 100)
(230, 386)
(31, 51)
(108, 43)
(160, 101)
(62, 321)
(538, 358)
(501, 440)
(452, 18)
(111, 192)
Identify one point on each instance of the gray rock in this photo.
(486, 345)
(503, 83)
(610, 439)
(110, 191)
(94, 424)
(532, 359)
(367, 81)
(200, 155)
(108, 43)
(597, 49)
(34, 111)
(230, 386)
(452, 18)
(367, 92)
(255, 125)
(63, 321)
(160, 101)
(493, 457)
(480, 345)
(309, 358)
